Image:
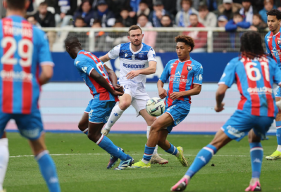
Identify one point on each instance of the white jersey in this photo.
(130, 61)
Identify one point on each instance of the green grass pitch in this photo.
(81, 166)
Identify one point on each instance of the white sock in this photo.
(279, 148)
(4, 159)
(147, 135)
(114, 116)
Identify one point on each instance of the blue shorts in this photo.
(178, 113)
(30, 126)
(240, 123)
(278, 92)
(99, 111)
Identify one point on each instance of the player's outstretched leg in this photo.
(277, 154)
(4, 158)
(256, 153)
(106, 144)
(46, 164)
(149, 120)
(202, 158)
(117, 111)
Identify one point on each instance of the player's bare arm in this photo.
(101, 80)
(219, 97)
(46, 74)
(113, 78)
(105, 58)
(194, 91)
(147, 71)
(161, 91)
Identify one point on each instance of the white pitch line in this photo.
(98, 154)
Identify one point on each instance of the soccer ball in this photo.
(155, 106)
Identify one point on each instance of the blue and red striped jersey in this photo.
(85, 62)
(254, 80)
(182, 76)
(272, 44)
(23, 48)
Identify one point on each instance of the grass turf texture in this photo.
(80, 168)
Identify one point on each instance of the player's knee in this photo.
(124, 105)
(82, 126)
(155, 128)
(150, 120)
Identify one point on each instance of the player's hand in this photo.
(175, 95)
(117, 93)
(219, 108)
(132, 74)
(118, 88)
(162, 93)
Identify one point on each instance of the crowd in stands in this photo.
(230, 14)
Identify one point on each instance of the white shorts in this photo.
(138, 94)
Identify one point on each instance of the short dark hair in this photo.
(188, 1)
(258, 15)
(251, 45)
(72, 41)
(193, 14)
(237, 14)
(97, 21)
(134, 27)
(44, 3)
(16, 4)
(203, 7)
(80, 18)
(143, 15)
(166, 15)
(185, 39)
(275, 12)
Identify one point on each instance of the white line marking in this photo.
(100, 154)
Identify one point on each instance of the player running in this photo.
(273, 47)
(98, 78)
(24, 48)
(134, 57)
(254, 74)
(185, 79)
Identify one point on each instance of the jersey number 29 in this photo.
(24, 48)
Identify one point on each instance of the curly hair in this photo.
(251, 45)
(275, 12)
(185, 39)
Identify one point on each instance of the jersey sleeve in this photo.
(267, 48)
(84, 66)
(151, 55)
(228, 76)
(114, 53)
(165, 74)
(45, 57)
(198, 76)
(277, 75)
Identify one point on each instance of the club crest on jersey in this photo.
(189, 68)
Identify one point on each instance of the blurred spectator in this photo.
(182, 17)
(212, 5)
(278, 4)
(164, 39)
(258, 24)
(208, 19)
(31, 19)
(228, 8)
(46, 19)
(144, 9)
(86, 12)
(104, 14)
(237, 22)
(149, 36)
(64, 10)
(117, 5)
(80, 22)
(268, 5)
(126, 19)
(119, 37)
(158, 12)
(222, 21)
(166, 21)
(247, 11)
(200, 38)
(100, 37)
